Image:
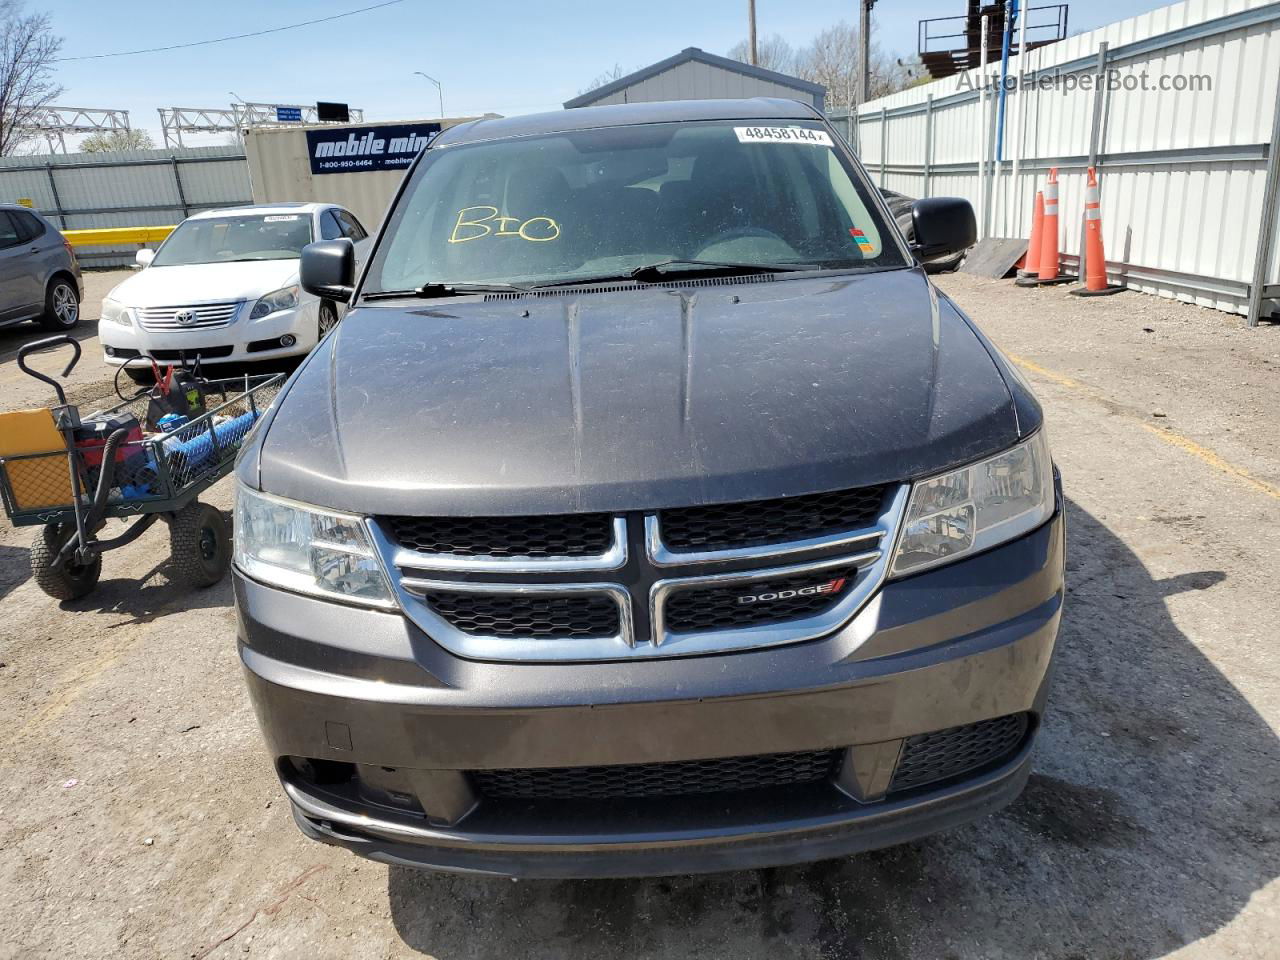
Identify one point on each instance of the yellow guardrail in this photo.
(116, 236)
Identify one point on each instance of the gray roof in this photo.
(626, 114)
(687, 55)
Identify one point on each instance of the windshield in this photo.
(600, 203)
(272, 236)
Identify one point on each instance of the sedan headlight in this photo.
(114, 312)
(307, 549)
(286, 298)
(976, 507)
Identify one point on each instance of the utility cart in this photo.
(69, 475)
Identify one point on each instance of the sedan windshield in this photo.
(612, 202)
(278, 236)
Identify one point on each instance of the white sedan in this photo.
(224, 287)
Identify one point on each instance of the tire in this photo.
(61, 305)
(143, 376)
(327, 319)
(199, 545)
(71, 581)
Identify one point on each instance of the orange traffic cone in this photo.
(1095, 268)
(1048, 266)
(1029, 275)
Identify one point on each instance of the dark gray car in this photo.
(39, 275)
(650, 512)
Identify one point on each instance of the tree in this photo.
(831, 59)
(772, 52)
(28, 49)
(109, 141)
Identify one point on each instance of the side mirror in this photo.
(942, 225)
(328, 269)
(144, 257)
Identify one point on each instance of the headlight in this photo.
(114, 312)
(286, 298)
(976, 507)
(308, 550)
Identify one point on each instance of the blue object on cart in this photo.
(198, 449)
(171, 422)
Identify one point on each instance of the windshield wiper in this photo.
(655, 272)
(430, 291)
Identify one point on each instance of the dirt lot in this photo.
(139, 816)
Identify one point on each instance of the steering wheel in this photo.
(739, 233)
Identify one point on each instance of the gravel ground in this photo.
(139, 816)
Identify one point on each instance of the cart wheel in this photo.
(199, 545)
(72, 580)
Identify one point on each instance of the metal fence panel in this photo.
(1184, 169)
(130, 188)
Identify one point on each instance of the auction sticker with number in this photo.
(818, 138)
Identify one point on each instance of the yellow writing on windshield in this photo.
(475, 222)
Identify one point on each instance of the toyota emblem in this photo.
(185, 317)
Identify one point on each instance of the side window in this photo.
(30, 227)
(8, 231)
(351, 226)
(329, 228)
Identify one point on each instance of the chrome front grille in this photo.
(196, 316)
(568, 588)
(528, 615)
(731, 526)
(572, 535)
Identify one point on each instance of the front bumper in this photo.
(367, 691)
(243, 340)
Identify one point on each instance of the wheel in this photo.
(72, 580)
(143, 376)
(199, 546)
(327, 321)
(61, 305)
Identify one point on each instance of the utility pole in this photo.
(864, 50)
(753, 52)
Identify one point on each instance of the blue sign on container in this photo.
(288, 114)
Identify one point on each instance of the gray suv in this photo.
(650, 512)
(39, 275)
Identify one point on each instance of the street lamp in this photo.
(439, 89)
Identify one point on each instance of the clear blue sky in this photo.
(491, 55)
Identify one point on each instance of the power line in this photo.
(238, 36)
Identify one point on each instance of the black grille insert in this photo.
(527, 616)
(681, 778)
(571, 535)
(943, 754)
(757, 601)
(759, 522)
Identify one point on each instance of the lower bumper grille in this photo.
(930, 757)
(682, 778)
(527, 616)
(204, 353)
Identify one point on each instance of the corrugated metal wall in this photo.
(695, 80)
(1182, 171)
(126, 189)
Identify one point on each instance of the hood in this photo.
(635, 400)
(204, 283)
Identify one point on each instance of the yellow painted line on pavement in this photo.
(86, 676)
(1171, 437)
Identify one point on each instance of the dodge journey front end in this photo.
(649, 512)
